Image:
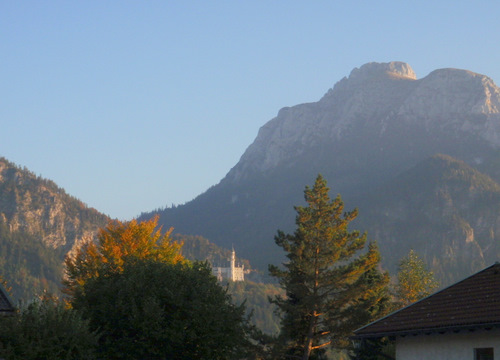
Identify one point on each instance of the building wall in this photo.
(238, 274)
(459, 346)
(233, 272)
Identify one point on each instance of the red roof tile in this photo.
(471, 303)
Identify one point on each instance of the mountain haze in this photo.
(372, 126)
(442, 208)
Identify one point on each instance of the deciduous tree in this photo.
(331, 278)
(414, 280)
(45, 329)
(157, 310)
(116, 243)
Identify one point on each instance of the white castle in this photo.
(233, 272)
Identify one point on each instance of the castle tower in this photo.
(233, 272)
(233, 265)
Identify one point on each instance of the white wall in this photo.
(448, 346)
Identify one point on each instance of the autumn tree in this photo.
(116, 243)
(331, 279)
(414, 280)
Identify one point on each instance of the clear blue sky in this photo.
(134, 105)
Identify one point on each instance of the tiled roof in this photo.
(470, 303)
(5, 302)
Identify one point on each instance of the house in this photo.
(460, 322)
(6, 305)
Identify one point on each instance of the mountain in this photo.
(372, 126)
(39, 224)
(444, 209)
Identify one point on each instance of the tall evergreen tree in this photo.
(331, 278)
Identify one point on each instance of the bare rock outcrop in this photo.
(378, 97)
(38, 207)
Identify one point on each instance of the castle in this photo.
(233, 272)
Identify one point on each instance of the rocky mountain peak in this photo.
(457, 101)
(376, 83)
(376, 100)
(373, 70)
(468, 91)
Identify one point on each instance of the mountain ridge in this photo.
(39, 225)
(449, 197)
(38, 206)
(373, 93)
(371, 126)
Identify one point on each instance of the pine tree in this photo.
(331, 279)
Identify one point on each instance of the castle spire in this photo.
(233, 264)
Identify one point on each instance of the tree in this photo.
(118, 242)
(331, 279)
(414, 280)
(45, 329)
(158, 310)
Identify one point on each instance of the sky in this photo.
(132, 106)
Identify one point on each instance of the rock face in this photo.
(378, 98)
(39, 225)
(38, 207)
(377, 123)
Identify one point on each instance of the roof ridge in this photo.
(496, 264)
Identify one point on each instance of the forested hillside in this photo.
(27, 265)
(445, 210)
(39, 224)
(199, 248)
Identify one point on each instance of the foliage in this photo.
(414, 280)
(117, 242)
(376, 349)
(255, 296)
(45, 329)
(329, 278)
(157, 310)
(27, 265)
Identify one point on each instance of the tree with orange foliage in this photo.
(117, 243)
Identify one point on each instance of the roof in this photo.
(469, 304)
(5, 302)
